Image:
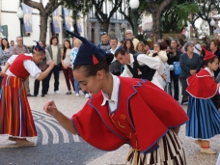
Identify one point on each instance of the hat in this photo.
(208, 55)
(88, 53)
(38, 48)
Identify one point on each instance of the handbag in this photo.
(177, 68)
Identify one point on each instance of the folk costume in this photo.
(108, 123)
(204, 118)
(145, 67)
(15, 114)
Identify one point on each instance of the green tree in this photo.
(176, 14)
(45, 12)
(205, 8)
(87, 5)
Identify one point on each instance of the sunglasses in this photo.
(103, 33)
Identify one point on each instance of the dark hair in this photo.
(43, 43)
(174, 41)
(91, 70)
(163, 45)
(205, 63)
(158, 43)
(3, 46)
(54, 37)
(114, 38)
(121, 51)
(64, 48)
(131, 50)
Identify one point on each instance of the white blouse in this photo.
(67, 57)
(29, 65)
(113, 101)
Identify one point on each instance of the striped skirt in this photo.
(15, 113)
(204, 119)
(169, 152)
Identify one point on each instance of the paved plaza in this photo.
(55, 145)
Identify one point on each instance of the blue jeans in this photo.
(76, 86)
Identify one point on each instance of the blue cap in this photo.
(38, 48)
(88, 53)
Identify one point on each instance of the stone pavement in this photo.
(52, 135)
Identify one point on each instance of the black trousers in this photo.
(175, 80)
(44, 86)
(56, 73)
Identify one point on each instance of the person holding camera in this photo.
(174, 56)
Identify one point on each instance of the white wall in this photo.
(8, 16)
(10, 5)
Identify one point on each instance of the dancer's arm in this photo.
(66, 122)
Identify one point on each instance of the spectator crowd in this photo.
(132, 58)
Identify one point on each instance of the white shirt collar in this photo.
(210, 72)
(114, 96)
(113, 51)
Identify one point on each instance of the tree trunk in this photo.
(211, 30)
(43, 26)
(156, 25)
(105, 25)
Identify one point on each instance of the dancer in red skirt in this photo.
(123, 111)
(15, 113)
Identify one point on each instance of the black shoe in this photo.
(68, 93)
(29, 95)
(184, 100)
(42, 95)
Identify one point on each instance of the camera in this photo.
(155, 54)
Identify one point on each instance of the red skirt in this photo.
(15, 114)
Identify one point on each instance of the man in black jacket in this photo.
(104, 45)
(115, 66)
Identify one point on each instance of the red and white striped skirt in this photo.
(15, 114)
(170, 152)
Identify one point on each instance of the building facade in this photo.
(117, 25)
(11, 24)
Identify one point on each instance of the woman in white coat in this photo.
(161, 54)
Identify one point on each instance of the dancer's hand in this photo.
(50, 108)
(2, 73)
(51, 64)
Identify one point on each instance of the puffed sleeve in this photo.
(163, 56)
(32, 68)
(151, 62)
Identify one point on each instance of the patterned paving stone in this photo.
(54, 145)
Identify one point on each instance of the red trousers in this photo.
(68, 74)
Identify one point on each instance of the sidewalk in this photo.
(70, 104)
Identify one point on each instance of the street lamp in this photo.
(123, 26)
(134, 4)
(20, 15)
(212, 23)
(71, 29)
